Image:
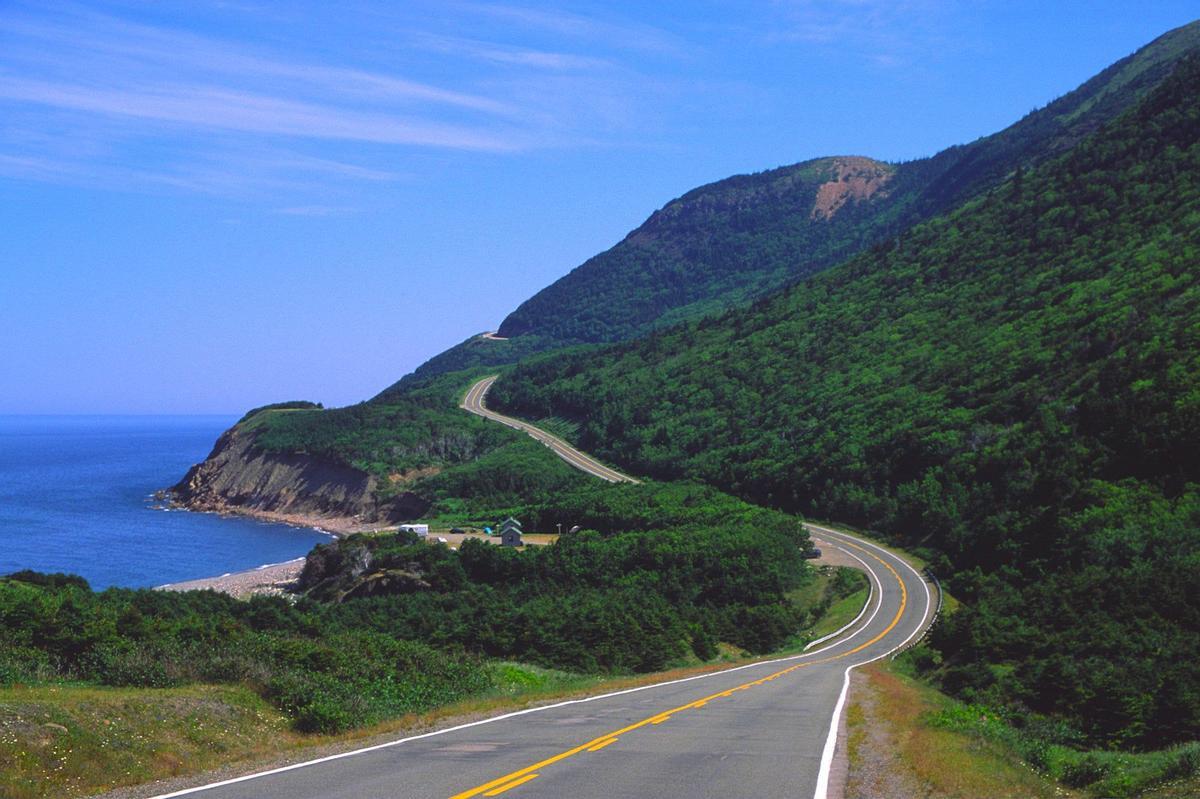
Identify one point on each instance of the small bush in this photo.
(1085, 771)
(132, 665)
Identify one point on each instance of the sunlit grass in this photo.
(840, 613)
(944, 764)
(66, 740)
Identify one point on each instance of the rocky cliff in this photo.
(240, 477)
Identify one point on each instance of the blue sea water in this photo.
(76, 495)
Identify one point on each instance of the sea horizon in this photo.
(77, 495)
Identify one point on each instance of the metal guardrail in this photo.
(937, 612)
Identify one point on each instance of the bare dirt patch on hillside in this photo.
(854, 178)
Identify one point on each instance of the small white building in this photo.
(421, 530)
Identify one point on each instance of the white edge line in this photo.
(867, 604)
(515, 713)
(822, 790)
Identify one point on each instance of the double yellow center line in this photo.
(524, 775)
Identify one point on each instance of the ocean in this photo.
(76, 496)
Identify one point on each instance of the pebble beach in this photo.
(274, 578)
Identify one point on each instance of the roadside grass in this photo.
(1188, 788)
(836, 594)
(840, 613)
(813, 591)
(891, 730)
(558, 426)
(1098, 773)
(68, 740)
(953, 749)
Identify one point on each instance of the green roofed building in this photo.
(510, 533)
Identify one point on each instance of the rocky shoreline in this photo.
(336, 526)
(242, 479)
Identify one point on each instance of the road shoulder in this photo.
(894, 750)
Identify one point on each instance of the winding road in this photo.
(765, 730)
(473, 403)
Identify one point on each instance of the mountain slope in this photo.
(1015, 385)
(738, 239)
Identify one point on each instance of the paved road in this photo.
(473, 402)
(761, 730)
(765, 730)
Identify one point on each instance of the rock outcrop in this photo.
(855, 179)
(239, 477)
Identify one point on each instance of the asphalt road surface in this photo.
(473, 402)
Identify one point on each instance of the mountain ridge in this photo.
(634, 288)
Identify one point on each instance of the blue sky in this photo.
(207, 206)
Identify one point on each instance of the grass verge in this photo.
(66, 740)
(1098, 773)
(840, 613)
(894, 750)
(942, 749)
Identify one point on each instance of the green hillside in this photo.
(1015, 386)
(730, 242)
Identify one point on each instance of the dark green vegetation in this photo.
(626, 601)
(326, 680)
(293, 405)
(1014, 386)
(659, 573)
(1103, 773)
(420, 443)
(391, 625)
(727, 243)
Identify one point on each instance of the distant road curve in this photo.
(474, 403)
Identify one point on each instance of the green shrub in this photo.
(1085, 771)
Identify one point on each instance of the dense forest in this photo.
(389, 624)
(1014, 387)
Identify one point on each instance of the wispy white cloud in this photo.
(148, 47)
(886, 33)
(214, 107)
(503, 54)
(229, 171)
(82, 91)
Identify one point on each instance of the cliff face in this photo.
(238, 477)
